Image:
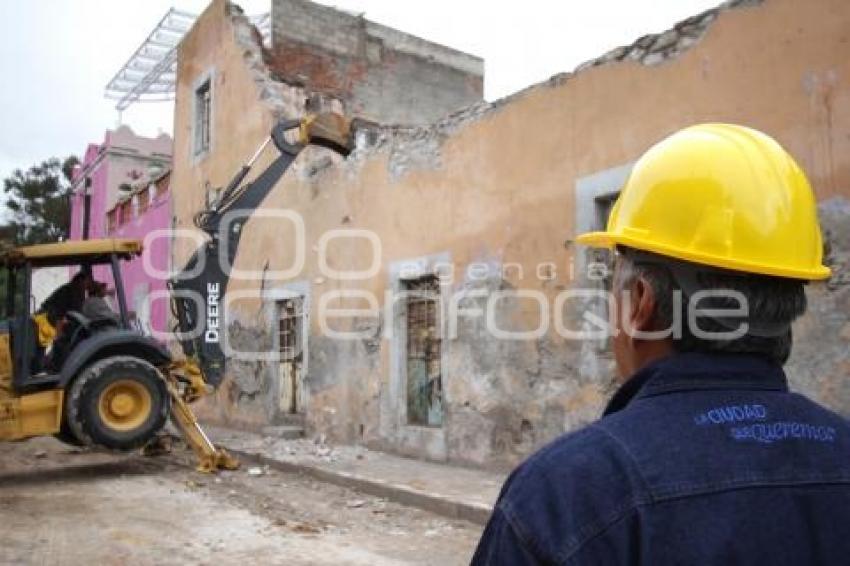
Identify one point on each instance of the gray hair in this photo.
(773, 303)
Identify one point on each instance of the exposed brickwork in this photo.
(302, 65)
(378, 73)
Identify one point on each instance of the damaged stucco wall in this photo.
(246, 102)
(249, 94)
(493, 188)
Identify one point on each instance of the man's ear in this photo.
(642, 305)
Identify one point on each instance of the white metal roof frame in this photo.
(150, 74)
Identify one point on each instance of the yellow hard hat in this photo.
(720, 195)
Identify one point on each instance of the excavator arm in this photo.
(197, 292)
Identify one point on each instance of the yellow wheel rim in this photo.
(124, 405)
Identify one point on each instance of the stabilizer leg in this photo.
(210, 458)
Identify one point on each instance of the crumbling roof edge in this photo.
(650, 50)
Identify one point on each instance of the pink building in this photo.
(127, 180)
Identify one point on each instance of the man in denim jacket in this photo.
(703, 456)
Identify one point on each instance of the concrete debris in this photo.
(285, 432)
(434, 487)
(665, 40)
(655, 49)
(306, 528)
(653, 59)
(438, 528)
(255, 471)
(413, 147)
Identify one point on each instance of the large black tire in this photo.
(67, 436)
(98, 398)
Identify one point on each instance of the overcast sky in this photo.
(57, 55)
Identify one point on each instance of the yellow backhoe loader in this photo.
(113, 386)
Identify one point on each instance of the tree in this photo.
(39, 201)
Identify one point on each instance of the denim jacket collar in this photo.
(693, 371)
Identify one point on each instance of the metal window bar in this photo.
(424, 345)
(289, 329)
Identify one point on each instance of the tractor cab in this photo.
(39, 361)
(84, 379)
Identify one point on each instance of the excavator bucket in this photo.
(328, 129)
(210, 457)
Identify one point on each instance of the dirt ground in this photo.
(60, 505)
